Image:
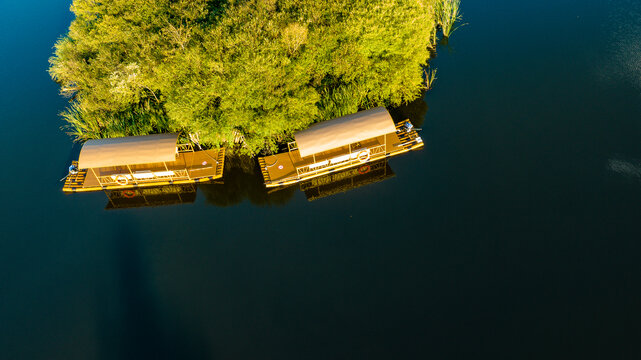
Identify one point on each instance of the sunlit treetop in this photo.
(256, 70)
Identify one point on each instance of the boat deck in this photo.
(196, 166)
(285, 168)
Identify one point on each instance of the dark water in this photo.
(515, 234)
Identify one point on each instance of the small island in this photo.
(241, 74)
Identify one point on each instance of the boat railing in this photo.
(407, 134)
(187, 147)
(141, 177)
(355, 157)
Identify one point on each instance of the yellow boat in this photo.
(350, 141)
(141, 161)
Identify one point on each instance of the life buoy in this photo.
(128, 194)
(122, 180)
(363, 156)
(364, 169)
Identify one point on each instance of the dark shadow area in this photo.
(136, 327)
(414, 111)
(215, 9)
(74, 152)
(243, 181)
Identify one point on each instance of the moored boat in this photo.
(342, 143)
(141, 161)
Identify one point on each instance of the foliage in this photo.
(259, 68)
(448, 14)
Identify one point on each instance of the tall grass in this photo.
(430, 77)
(448, 14)
(343, 100)
(83, 125)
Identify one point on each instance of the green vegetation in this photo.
(448, 14)
(256, 70)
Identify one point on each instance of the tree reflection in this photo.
(243, 180)
(414, 111)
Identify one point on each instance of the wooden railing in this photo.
(360, 156)
(141, 177)
(188, 147)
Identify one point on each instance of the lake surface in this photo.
(515, 233)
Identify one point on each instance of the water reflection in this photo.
(624, 53)
(151, 196)
(243, 181)
(627, 168)
(414, 111)
(346, 180)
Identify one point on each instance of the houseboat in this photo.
(141, 161)
(350, 141)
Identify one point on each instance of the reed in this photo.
(343, 100)
(448, 14)
(430, 77)
(83, 125)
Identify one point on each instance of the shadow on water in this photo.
(74, 153)
(243, 181)
(414, 110)
(135, 329)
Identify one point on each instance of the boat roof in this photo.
(344, 130)
(130, 150)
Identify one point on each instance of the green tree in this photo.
(256, 70)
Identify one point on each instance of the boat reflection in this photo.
(244, 183)
(243, 180)
(151, 196)
(346, 180)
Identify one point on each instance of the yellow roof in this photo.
(130, 150)
(344, 130)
